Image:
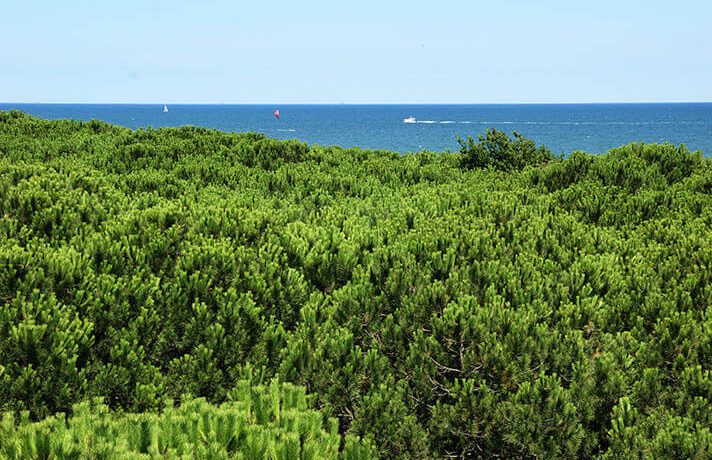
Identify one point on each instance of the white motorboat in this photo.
(409, 120)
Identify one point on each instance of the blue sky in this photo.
(219, 51)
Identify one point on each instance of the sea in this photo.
(564, 128)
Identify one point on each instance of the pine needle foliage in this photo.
(258, 422)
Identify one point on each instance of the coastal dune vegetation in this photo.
(191, 293)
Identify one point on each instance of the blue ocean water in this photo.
(563, 128)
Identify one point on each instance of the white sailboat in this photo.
(165, 108)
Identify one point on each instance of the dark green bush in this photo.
(495, 149)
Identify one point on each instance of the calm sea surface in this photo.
(564, 128)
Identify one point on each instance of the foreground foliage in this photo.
(272, 422)
(559, 311)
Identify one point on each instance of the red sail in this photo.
(276, 113)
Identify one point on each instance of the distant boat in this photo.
(165, 108)
(276, 114)
(409, 120)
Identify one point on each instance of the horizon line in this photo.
(354, 103)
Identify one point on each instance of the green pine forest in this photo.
(191, 293)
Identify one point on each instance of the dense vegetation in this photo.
(434, 307)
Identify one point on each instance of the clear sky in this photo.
(365, 51)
